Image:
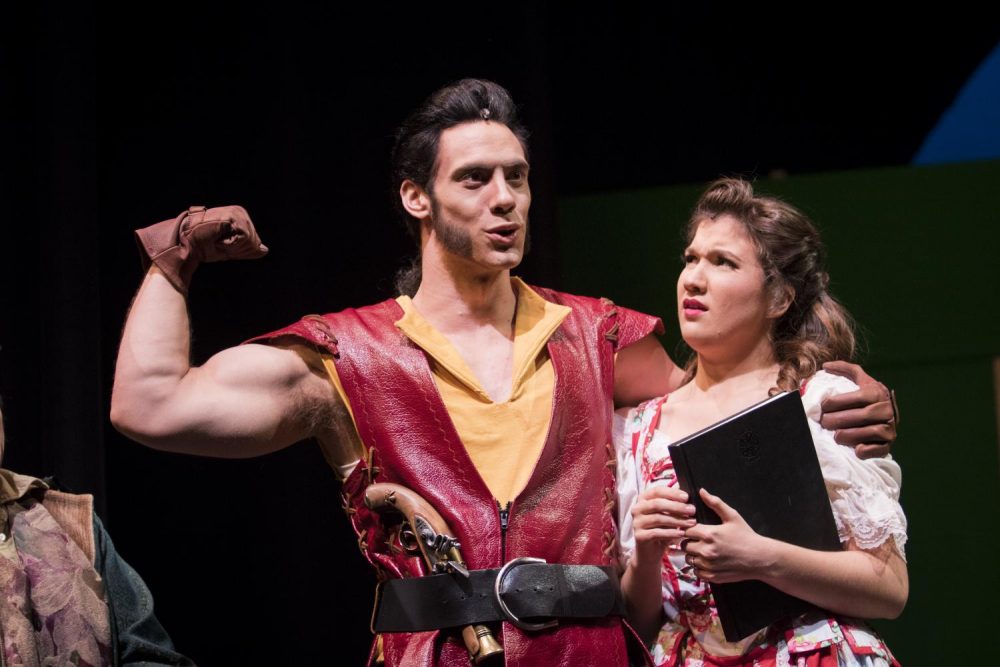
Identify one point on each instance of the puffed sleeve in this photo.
(864, 493)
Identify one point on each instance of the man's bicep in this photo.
(244, 401)
(643, 371)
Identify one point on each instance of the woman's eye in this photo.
(688, 259)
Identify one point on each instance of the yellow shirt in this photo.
(504, 440)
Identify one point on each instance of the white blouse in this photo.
(864, 493)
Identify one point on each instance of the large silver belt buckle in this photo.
(524, 625)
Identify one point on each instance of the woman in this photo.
(753, 306)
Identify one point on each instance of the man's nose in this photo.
(503, 196)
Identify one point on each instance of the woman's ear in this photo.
(782, 297)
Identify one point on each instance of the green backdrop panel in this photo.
(914, 255)
(914, 252)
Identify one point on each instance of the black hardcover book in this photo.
(763, 464)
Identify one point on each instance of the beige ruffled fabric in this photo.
(52, 610)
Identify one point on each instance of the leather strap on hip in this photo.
(530, 591)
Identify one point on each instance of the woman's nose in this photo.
(693, 278)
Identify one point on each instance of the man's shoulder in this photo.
(586, 303)
(599, 306)
(323, 330)
(624, 325)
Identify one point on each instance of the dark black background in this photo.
(116, 118)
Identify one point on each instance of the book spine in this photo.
(686, 480)
(690, 485)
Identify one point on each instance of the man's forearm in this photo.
(154, 355)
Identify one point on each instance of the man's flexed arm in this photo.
(244, 401)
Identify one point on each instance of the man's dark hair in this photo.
(415, 151)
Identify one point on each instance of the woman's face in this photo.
(723, 306)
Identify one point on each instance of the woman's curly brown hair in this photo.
(815, 328)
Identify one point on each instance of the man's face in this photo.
(480, 196)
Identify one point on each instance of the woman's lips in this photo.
(694, 304)
(693, 307)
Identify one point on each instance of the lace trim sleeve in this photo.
(864, 494)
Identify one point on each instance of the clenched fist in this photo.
(198, 235)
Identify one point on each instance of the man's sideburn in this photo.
(453, 238)
(456, 239)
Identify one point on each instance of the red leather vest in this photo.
(565, 512)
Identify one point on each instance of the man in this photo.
(66, 596)
(491, 398)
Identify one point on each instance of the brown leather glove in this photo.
(198, 235)
(865, 419)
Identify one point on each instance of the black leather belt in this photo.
(527, 592)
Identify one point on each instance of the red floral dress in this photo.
(864, 496)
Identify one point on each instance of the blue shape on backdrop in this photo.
(970, 128)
